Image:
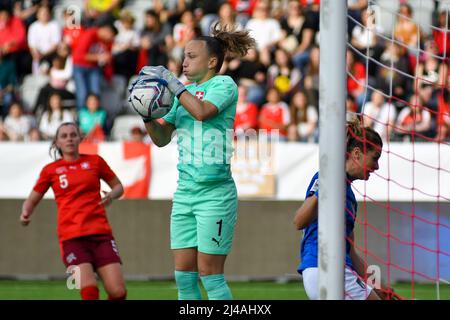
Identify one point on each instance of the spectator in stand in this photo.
(441, 35)
(183, 32)
(27, 10)
(406, 30)
(365, 39)
(53, 117)
(92, 115)
(364, 36)
(154, 37)
(227, 16)
(246, 113)
(311, 76)
(206, 12)
(401, 84)
(3, 135)
(60, 74)
(414, 119)
(8, 82)
(100, 12)
(170, 11)
(350, 104)
(43, 38)
(125, 47)
(13, 42)
(91, 60)
(72, 28)
(428, 71)
(16, 125)
(291, 25)
(274, 116)
(443, 119)
(264, 29)
(244, 9)
(250, 72)
(354, 9)
(356, 81)
(34, 135)
(282, 75)
(304, 119)
(442, 99)
(379, 115)
(308, 33)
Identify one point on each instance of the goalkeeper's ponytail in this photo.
(226, 39)
(362, 137)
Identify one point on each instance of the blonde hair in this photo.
(362, 137)
(54, 151)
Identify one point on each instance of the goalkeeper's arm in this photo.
(160, 132)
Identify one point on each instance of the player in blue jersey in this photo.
(363, 151)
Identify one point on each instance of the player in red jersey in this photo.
(84, 233)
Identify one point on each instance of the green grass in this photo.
(166, 290)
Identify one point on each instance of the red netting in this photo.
(402, 225)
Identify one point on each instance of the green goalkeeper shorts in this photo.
(203, 216)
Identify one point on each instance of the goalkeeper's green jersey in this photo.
(205, 147)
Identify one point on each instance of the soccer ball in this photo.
(151, 98)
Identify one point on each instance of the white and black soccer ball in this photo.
(151, 99)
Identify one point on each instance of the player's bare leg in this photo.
(186, 274)
(112, 278)
(185, 259)
(210, 264)
(88, 282)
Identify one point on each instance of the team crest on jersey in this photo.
(85, 165)
(60, 170)
(199, 95)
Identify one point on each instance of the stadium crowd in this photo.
(408, 78)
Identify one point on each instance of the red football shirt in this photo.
(278, 114)
(246, 116)
(76, 185)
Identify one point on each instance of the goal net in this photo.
(398, 84)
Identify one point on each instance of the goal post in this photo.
(332, 108)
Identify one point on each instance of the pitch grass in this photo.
(166, 290)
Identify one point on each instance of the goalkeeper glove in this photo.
(159, 72)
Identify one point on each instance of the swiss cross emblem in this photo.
(200, 95)
(85, 165)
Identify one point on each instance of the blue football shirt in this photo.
(309, 244)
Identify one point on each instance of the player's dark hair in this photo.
(364, 138)
(54, 151)
(225, 40)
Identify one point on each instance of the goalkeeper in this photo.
(362, 154)
(204, 208)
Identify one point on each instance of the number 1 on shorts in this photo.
(220, 227)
